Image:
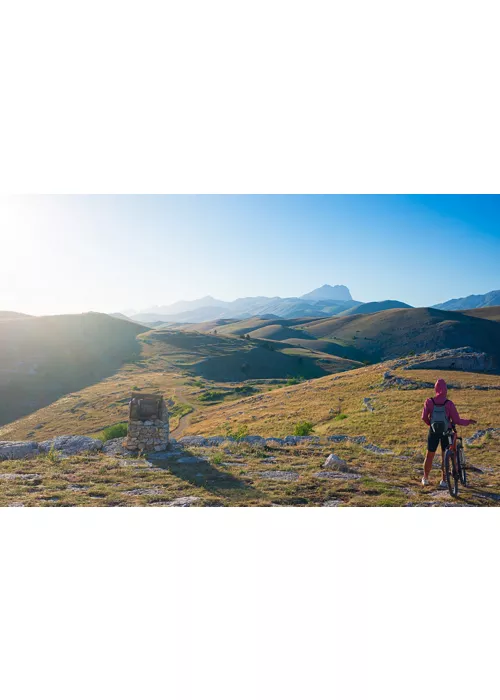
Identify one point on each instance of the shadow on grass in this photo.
(199, 472)
(492, 496)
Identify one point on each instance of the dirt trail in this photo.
(184, 421)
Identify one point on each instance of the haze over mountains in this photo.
(325, 301)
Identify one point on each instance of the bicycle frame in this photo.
(454, 441)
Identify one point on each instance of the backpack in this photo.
(440, 423)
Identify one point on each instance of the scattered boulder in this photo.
(68, 445)
(299, 439)
(254, 440)
(477, 435)
(183, 502)
(115, 447)
(359, 440)
(215, 441)
(390, 380)
(377, 450)
(334, 461)
(367, 404)
(18, 450)
(194, 441)
(135, 463)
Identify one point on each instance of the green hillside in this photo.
(43, 358)
(399, 332)
(229, 358)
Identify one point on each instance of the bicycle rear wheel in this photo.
(462, 472)
(451, 470)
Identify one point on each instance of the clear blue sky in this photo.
(105, 253)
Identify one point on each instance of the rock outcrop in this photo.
(68, 445)
(465, 359)
(18, 450)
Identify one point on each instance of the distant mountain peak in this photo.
(337, 293)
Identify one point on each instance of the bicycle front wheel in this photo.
(450, 466)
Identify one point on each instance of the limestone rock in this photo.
(254, 440)
(367, 403)
(334, 461)
(68, 445)
(116, 447)
(183, 501)
(466, 359)
(18, 450)
(193, 440)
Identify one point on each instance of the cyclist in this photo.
(441, 415)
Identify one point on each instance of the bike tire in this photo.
(462, 471)
(451, 473)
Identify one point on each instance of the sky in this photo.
(77, 253)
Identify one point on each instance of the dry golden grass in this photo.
(231, 475)
(394, 423)
(234, 474)
(89, 411)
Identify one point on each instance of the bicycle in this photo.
(454, 463)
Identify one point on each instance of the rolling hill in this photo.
(224, 358)
(375, 306)
(492, 313)
(375, 336)
(43, 358)
(398, 332)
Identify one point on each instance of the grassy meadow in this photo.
(234, 385)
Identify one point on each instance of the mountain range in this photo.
(324, 301)
(474, 301)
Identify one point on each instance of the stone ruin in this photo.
(148, 423)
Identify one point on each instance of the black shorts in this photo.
(433, 441)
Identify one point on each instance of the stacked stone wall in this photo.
(149, 435)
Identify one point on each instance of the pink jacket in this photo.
(440, 397)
